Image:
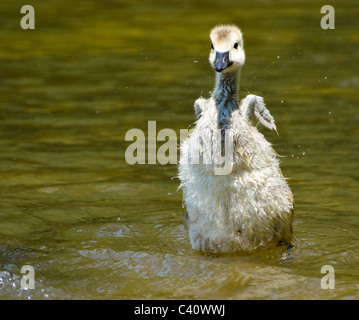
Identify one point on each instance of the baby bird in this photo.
(236, 197)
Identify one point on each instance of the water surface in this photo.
(95, 227)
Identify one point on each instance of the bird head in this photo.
(227, 53)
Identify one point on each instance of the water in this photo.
(94, 227)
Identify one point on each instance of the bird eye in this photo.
(235, 45)
(212, 45)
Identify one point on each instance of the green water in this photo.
(93, 226)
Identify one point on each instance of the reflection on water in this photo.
(93, 226)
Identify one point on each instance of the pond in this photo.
(92, 225)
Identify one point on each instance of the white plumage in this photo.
(250, 205)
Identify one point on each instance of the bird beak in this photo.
(221, 61)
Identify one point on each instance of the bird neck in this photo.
(227, 86)
(226, 98)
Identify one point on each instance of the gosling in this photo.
(250, 206)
